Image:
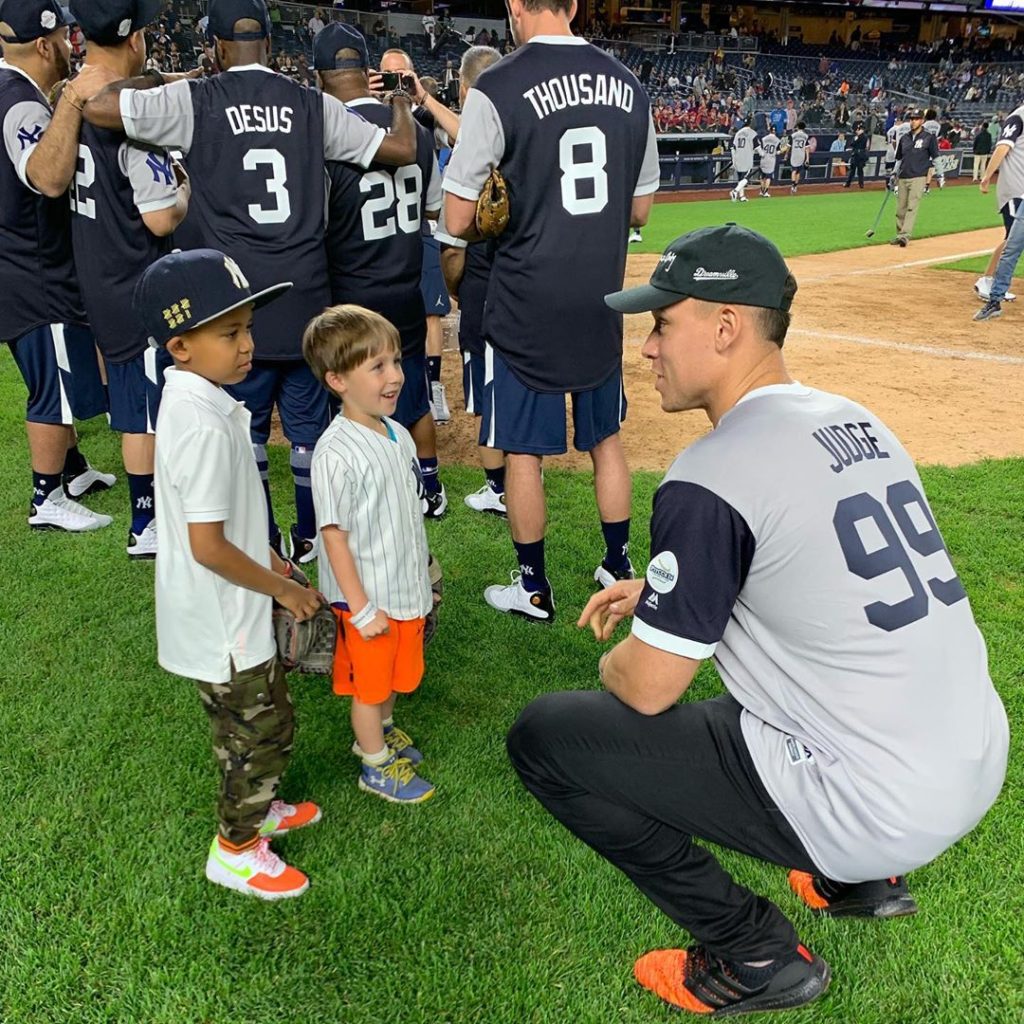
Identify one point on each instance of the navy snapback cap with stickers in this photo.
(725, 264)
(185, 290)
(335, 37)
(109, 22)
(24, 21)
(224, 14)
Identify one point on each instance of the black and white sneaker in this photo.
(439, 402)
(302, 550)
(59, 512)
(487, 500)
(143, 545)
(515, 599)
(989, 311)
(90, 481)
(607, 577)
(434, 505)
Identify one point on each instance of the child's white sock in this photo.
(388, 722)
(375, 760)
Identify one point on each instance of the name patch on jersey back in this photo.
(247, 117)
(848, 444)
(576, 90)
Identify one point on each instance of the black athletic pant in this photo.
(857, 162)
(638, 788)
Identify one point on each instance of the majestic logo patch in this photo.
(663, 572)
(700, 274)
(48, 20)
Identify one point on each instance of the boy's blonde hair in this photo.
(343, 337)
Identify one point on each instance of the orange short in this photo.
(372, 669)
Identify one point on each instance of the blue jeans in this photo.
(1008, 261)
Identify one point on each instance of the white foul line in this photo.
(901, 346)
(897, 266)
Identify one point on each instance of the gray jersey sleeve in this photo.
(478, 149)
(154, 186)
(161, 116)
(348, 137)
(434, 194)
(650, 170)
(23, 131)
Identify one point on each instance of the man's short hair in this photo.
(475, 61)
(344, 337)
(548, 5)
(774, 323)
(395, 51)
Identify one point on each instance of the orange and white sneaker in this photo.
(255, 870)
(283, 818)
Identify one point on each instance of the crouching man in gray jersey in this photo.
(860, 734)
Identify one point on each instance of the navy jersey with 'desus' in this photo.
(570, 129)
(374, 246)
(255, 143)
(116, 182)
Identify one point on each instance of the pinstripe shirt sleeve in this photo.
(334, 490)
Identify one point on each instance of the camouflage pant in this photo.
(253, 725)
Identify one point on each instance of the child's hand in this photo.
(377, 626)
(302, 602)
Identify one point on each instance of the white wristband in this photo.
(366, 616)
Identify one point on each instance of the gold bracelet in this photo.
(70, 91)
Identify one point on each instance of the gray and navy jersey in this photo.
(916, 153)
(476, 275)
(1010, 183)
(117, 182)
(374, 247)
(255, 144)
(571, 130)
(744, 143)
(932, 126)
(769, 148)
(37, 272)
(798, 148)
(795, 545)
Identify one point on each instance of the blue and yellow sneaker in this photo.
(395, 781)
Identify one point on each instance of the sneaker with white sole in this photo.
(439, 403)
(434, 505)
(143, 545)
(983, 289)
(283, 818)
(989, 311)
(302, 550)
(635, 236)
(90, 481)
(256, 871)
(395, 781)
(487, 500)
(607, 578)
(59, 512)
(733, 195)
(515, 599)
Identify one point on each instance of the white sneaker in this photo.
(439, 403)
(743, 198)
(606, 578)
(983, 289)
(733, 195)
(59, 512)
(635, 236)
(487, 500)
(257, 871)
(89, 482)
(515, 599)
(143, 545)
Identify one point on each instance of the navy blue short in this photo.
(1009, 212)
(135, 388)
(435, 291)
(59, 365)
(767, 175)
(473, 382)
(521, 421)
(414, 398)
(300, 399)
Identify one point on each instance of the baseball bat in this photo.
(878, 216)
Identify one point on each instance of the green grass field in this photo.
(473, 909)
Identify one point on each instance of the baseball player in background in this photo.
(797, 155)
(860, 735)
(768, 149)
(41, 315)
(571, 130)
(892, 142)
(744, 146)
(125, 204)
(932, 126)
(254, 144)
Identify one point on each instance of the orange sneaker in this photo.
(255, 870)
(694, 980)
(888, 897)
(283, 818)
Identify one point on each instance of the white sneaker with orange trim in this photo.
(283, 818)
(256, 871)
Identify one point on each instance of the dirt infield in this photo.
(876, 324)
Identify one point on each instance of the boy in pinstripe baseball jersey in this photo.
(367, 492)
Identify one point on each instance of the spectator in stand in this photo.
(791, 116)
(276, 27)
(493, 42)
(982, 148)
(838, 164)
(316, 24)
(483, 38)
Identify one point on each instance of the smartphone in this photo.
(390, 80)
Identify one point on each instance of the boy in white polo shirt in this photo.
(216, 577)
(366, 491)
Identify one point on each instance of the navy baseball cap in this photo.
(24, 21)
(109, 22)
(917, 114)
(335, 37)
(185, 290)
(224, 13)
(728, 263)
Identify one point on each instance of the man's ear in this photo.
(728, 328)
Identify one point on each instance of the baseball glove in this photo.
(492, 208)
(437, 591)
(307, 646)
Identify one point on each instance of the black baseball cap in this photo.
(24, 21)
(719, 264)
(109, 22)
(185, 290)
(224, 14)
(917, 114)
(335, 37)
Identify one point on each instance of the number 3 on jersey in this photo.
(575, 171)
(282, 208)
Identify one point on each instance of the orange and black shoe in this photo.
(888, 897)
(694, 980)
